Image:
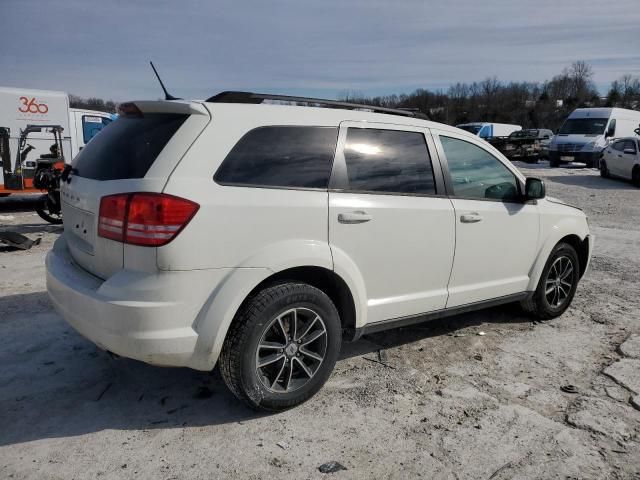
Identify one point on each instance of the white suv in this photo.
(260, 236)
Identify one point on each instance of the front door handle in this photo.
(470, 218)
(354, 217)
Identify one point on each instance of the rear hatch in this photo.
(135, 153)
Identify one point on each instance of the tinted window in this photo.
(630, 145)
(388, 161)
(281, 157)
(475, 173)
(619, 145)
(127, 147)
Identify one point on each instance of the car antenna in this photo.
(167, 95)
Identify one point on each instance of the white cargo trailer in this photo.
(20, 107)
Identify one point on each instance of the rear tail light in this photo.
(146, 219)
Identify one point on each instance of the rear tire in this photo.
(46, 213)
(557, 284)
(265, 361)
(553, 163)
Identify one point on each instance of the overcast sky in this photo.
(321, 48)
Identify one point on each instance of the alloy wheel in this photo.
(291, 350)
(559, 281)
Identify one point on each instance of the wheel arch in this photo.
(569, 229)
(581, 247)
(329, 282)
(241, 284)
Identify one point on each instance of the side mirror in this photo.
(534, 189)
(611, 131)
(629, 151)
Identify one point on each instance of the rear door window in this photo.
(127, 147)
(389, 161)
(281, 156)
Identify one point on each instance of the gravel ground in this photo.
(437, 400)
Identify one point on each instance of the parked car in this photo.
(586, 131)
(486, 129)
(621, 158)
(260, 236)
(529, 145)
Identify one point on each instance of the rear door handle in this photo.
(470, 218)
(354, 217)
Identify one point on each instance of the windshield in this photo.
(584, 126)
(471, 128)
(524, 134)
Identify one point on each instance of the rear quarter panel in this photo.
(248, 227)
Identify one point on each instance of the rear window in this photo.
(127, 147)
(283, 156)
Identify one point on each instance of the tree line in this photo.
(93, 103)
(530, 104)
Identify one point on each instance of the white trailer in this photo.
(486, 129)
(20, 107)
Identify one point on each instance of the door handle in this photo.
(354, 217)
(470, 218)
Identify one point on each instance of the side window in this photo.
(390, 161)
(476, 173)
(485, 132)
(630, 145)
(92, 125)
(281, 157)
(619, 145)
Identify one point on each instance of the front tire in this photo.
(635, 176)
(604, 173)
(557, 284)
(281, 347)
(553, 163)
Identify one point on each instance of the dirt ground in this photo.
(437, 400)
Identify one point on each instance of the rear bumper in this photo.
(144, 316)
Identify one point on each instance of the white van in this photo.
(486, 130)
(586, 132)
(20, 107)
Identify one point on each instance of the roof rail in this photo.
(255, 98)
